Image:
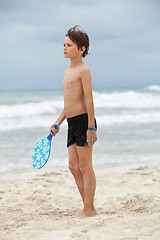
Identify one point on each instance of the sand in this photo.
(42, 205)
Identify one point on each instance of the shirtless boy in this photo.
(79, 111)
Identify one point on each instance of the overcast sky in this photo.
(124, 42)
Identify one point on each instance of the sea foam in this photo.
(111, 107)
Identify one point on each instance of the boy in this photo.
(79, 111)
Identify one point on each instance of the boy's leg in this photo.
(89, 180)
(74, 168)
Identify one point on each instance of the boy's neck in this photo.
(75, 62)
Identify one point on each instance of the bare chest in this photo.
(72, 81)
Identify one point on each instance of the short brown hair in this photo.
(79, 37)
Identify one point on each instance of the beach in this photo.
(40, 205)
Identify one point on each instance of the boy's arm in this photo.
(59, 121)
(61, 118)
(87, 89)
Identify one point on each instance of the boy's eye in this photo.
(68, 45)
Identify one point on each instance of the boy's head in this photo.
(80, 38)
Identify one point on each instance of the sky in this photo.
(124, 42)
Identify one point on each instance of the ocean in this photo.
(128, 126)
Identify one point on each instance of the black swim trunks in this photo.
(77, 129)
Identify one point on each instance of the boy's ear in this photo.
(82, 49)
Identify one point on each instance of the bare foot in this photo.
(86, 214)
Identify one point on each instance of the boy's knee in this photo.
(74, 168)
(84, 168)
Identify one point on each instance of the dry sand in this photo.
(42, 206)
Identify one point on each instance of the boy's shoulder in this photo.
(84, 68)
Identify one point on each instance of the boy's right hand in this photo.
(54, 128)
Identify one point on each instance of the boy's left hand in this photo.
(91, 137)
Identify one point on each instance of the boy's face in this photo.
(71, 49)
